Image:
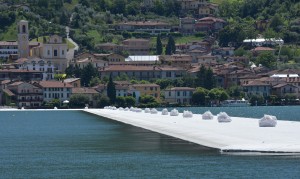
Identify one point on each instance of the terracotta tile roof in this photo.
(256, 83)
(70, 80)
(16, 83)
(143, 23)
(122, 82)
(54, 84)
(136, 40)
(140, 68)
(8, 92)
(145, 85)
(181, 89)
(84, 91)
(5, 82)
(19, 71)
(263, 49)
(283, 84)
(213, 19)
(121, 87)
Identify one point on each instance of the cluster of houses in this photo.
(199, 8)
(27, 79)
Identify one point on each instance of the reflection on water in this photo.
(79, 145)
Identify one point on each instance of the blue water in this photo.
(74, 144)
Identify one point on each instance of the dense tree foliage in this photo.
(111, 90)
(78, 101)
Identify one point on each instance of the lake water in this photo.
(74, 144)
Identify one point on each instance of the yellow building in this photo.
(148, 89)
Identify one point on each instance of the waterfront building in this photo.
(23, 95)
(148, 89)
(143, 72)
(179, 95)
(55, 90)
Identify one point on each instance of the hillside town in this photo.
(50, 73)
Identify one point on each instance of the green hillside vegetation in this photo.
(92, 21)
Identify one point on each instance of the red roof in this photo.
(54, 84)
(263, 49)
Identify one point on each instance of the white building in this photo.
(179, 95)
(7, 48)
(37, 64)
(55, 90)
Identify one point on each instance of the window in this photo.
(169, 93)
(48, 52)
(62, 95)
(23, 29)
(178, 93)
(63, 52)
(55, 53)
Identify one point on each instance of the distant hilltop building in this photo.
(262, 42)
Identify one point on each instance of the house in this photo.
(151, 27)
(209, 24)
(24, 95)
(257, 87)
(195, 53)
(8, 48)
(258, 50)
(142, 72)
(55, 90)
(75, 82)
(223, 52)
(179, 95)
(207, 59)
(110, 47)
(83, 62)
(3, 86)
(112, 57)
(37, 64)
(187, 25)
(148, 89)
(176, 60)
(283, 89)
(22, 75)
(89, 92)
(137, 46)
(191, 5)
(239, 59)
(208, 9)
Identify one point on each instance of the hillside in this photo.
(91, 21)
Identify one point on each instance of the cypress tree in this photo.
(159, 47)
(171, 48)
(111, 90)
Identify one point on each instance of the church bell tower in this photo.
(23, 39)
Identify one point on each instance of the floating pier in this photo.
(240, 135)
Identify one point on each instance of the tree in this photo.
(120, 101)
(95, 81)
(198, 97)
(266, 59)
(130, 101)
(88, 72)
(171, 48)
(111, 90)
(209, 82)
(159, 47)
(103, 101)
(201, 75)
(78, 100)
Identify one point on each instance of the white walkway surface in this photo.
(240, 135)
